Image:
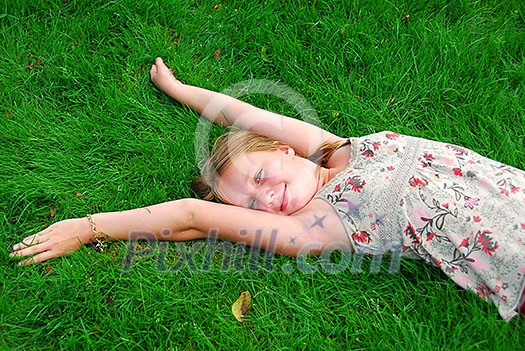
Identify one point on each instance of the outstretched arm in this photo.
(167, 221)
(226, 110)
(187, 219)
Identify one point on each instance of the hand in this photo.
(163, 76)
(59, 239)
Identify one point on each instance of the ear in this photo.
(288, 151)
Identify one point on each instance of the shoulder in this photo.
(340, 158)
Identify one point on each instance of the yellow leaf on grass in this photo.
(242, 305)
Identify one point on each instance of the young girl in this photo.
(312, 190)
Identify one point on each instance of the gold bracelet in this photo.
(100, 237)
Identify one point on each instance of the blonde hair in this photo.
(230, 146)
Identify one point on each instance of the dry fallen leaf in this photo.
(217, 54)
(242, 305)
(391, 101)
(52, 211)
(342, 30)
(36, 61)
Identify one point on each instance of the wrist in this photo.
(97, 238)
(172, 87)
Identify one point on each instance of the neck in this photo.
(323, 176)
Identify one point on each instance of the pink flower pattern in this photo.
(447, 194)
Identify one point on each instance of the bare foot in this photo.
(162, 76)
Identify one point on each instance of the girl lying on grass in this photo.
(376, 194)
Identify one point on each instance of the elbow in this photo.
(187, 209)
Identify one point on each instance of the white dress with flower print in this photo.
(438, 202)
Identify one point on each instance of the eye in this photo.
(258, 177)
(251, 205)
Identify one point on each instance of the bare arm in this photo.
(309, 231)
(226, 110)
(190, 219)
(167, 221)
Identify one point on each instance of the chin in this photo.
(292, 208)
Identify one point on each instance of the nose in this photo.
(266, 197)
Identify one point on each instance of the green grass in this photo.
(83, 131)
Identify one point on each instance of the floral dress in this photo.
(438, 202)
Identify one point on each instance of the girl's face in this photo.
(272, 181)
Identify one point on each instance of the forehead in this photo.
(244, 163)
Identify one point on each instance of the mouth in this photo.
(284, 199)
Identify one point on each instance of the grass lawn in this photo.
(83, 130)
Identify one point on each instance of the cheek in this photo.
(278, 166)
(275, 172)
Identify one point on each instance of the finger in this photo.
(28, 251)
(26, 241)
(39, 237)
(30, 242)
(44, 256)
(26, 262)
